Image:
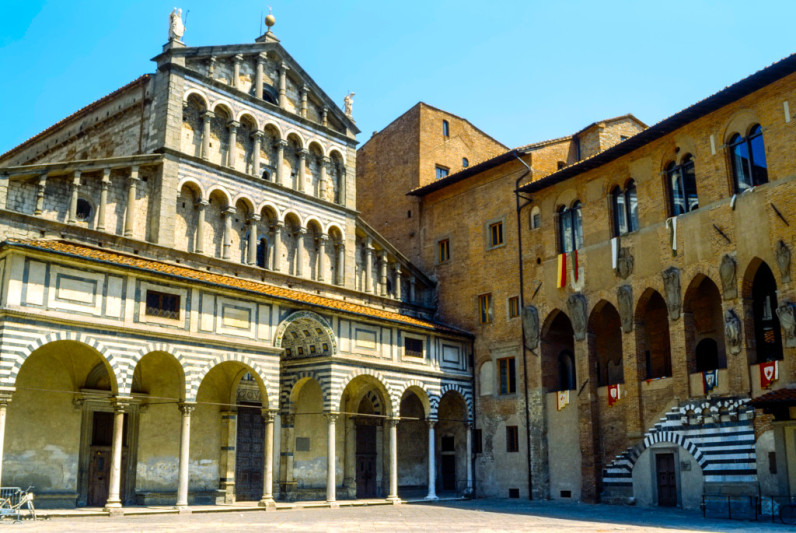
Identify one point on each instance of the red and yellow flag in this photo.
(562, 271)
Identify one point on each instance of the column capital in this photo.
(233, 124)
(269, 415)
(326, 160)
(237, 58)
(254, 217)
(324, 238)
(201, 204)
(76, 177)
(5, 395)
(229, 211)
(397, 268)
(121, 403)
(278, 225)
(208, 114)
(186, 408)
(392, 421)
(431, 422)
(106, 175)
(331, 417)
(303, 153)
(284, 67)
(281, 143)
(301, 231)
(261, 58)
(305, 88)
(257, 134)
(340, 243)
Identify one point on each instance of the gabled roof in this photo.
(79, 113)
(259, 47)
(508, 156)
(726, 96)
(191, 274)
(420, 104)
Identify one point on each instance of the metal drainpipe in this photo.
(522, 333)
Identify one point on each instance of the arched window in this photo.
(536, 217)
(566, 371)
(266, 175)
(262, 252)
(681, 182)
(570, 228)
(465, 162)
(83, 211)
(625, 206)
(768, 339)
(748, 155)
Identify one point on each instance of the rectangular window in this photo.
(442, 172)
(478, 444)
(507, 382)
(446, 128)
(413, 347)
(496, 234)
(162, 305)
(514, 306)
(485, 308)
(512, 439)
(443, 250)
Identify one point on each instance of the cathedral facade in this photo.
(194, 312)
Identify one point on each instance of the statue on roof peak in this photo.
(348, 103)
(176, 26)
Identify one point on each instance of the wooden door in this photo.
(101, 458)
(667, 482)
(448, 472)
(366, 461)
(249, 455)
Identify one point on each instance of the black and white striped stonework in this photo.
(717, 432)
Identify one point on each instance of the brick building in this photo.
(628, 302)
(191, 310)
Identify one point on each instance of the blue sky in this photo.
(522, 71)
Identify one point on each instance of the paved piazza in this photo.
(482, 515)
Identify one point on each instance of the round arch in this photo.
(313, 327)
(256, 371)
(194, 185)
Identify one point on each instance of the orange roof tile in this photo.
(184, 272)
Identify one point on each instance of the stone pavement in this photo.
(478, 515)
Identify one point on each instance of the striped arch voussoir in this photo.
(461, 391)
(391, 394)
(196, 379)
(161, 347)
(668, 436)
(286, 388)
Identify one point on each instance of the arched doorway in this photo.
(451, 438)
(366, 403)
(227, 444)
(652, 336)
(704, 326)
(60, 425)
(412, 446)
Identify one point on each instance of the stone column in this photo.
(369, 265)
(281, 179)
(286, 463)
(258, 78)
(340, 263)
(115, 479)
(469, 429)
(588, 420)
(233, 140)
(331, 478)
(392, 424)
(236, 59)
(412, 290)
(383, 273)
(267, 500)
(5, 399)
(325, 117)
(227, 242)
(129, 215)
(253, 238)
(283, 85)
(104, 184)
(397, 289)
(324, 183)
(304, 91)
(257, 137)
(302, 171)
(631, 367)
(40, 193)
(432, 466)
(322, 239)
(226, 462)
(278, 245)
(73, 200)
(185, 460)
(207, 118)
(199, 245)
(299, 236)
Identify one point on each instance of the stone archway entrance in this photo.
(366, 449)
(249, 443)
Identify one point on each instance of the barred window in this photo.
(162, 304)
(413, 347)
